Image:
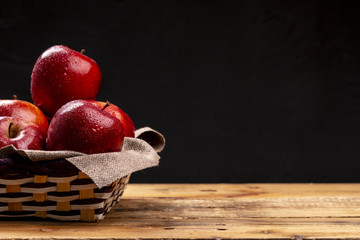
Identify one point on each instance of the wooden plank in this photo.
(234, 208)
(193, 229)
(200, 191)
(214, 211)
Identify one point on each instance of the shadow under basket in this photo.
(70, 197)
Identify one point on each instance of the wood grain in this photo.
(214, 211)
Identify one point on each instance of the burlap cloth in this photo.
(104, 168)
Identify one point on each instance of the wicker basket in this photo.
(37, 184)
(73, 197)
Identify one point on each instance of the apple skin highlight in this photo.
(23, 135)
(61, 75)
(25, 111)
(80, 126)
(129, 127)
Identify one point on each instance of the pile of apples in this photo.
(65, 114)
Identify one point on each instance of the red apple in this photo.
(129, 128)
(61, 75)
(25, 111)
(81, 126)
(21, 134)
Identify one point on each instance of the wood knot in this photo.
(169, 228)
(208, 190)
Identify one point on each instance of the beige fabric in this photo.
(154, 138)
(104, 168)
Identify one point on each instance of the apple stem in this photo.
(14, 97)
(82, 51)
(106, 105)
(10, 125)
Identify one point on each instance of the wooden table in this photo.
(214, 211)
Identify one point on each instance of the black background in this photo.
(244, 91)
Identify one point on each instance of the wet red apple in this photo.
(25, 111)
(81, 126)
(61, 75)
(23, 135)
(129, 127)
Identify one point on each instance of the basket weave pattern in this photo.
(55, 185)
(70, 198)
